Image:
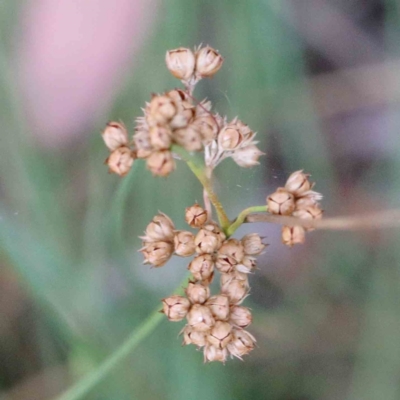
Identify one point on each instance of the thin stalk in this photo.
(240, 219)
(87, 383)
(199, 172)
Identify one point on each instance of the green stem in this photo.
(199, 171)
(87, 383)
(242, 216)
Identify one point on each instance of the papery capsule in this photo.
(175, 307)
(184, 115)
(160, 110)
(232, 248)
(197, 293)
(115, 135)
(219, 306)
(207, 126)
(120, 161)
(247, 265)
(298, 183)
(220, 334)
(200, 318)
(209, 239)
(161, 228)
(240, 316)
(236, 290)
(229, 138)
(292, 235)
(247, 156)
(196, 216)
(181, 63)
(202, 267)
(157, 253)
(193, 336)
(252, 244)
(161, 163)
(189, 138)
(280, 202)
(212, 353)
(184, 243)
(160, 137)
(241, 344)
(208, 61)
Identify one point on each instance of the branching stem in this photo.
(242, 217)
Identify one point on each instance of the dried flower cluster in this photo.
(175, 123)
(174, 117)
(215, 323)
(299, 200)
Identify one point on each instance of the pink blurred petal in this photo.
(73, 53)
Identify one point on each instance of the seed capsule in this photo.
(292, 235)
(161, 163)
(209, 239)
(247, 156)
(175, 307)
(160, 137)
(120, 161)
(230, 137)
(193, 336)
(184, 115)
(181, 63)
(202, 267)
(115, 135)
(235, 289)
(161, 228)
(184, 243)
(157, 253)
(160, 110)
(207, 126)
(229, 255)
(212, 353)
(242, 343)
(200, 318)
(240, 316)
(280, 202)
(189, 138)
(298, 183)
(247, 265)
(220, 334)
(197, 293)
(252, 244)
(208, 61)
(196, 216)
(219, 306)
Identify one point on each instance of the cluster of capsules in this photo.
(174, 117)
(215, 323)
(296, 199)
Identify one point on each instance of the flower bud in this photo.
(240, 316)
(181, 63)
(241, 344)
(161, 228)
(160, 137)
(184, 243)
(298, 183)
(161, 163)
(197, 293)
(292, 235)
(247, 265)
(247, 156)
(280, 202)
(200, 318)
(120, 161)
(193, 336)
(202, 267)
(175, 307)
(207, 126)
(220, 334)
(208, 61)
(209, 239)
(115, 135)
(157, 253)
(196, 216)
(235, 289)
(229, 138)
(189, 138)
(212, 353)
(219, 306)
(160, 110)
(252, 244)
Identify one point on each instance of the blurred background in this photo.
(317, 79)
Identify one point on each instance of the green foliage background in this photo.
(327, 316)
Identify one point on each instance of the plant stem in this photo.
(199, 171)
(82, 387)
(242, 216)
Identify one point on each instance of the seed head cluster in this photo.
(299, 200)
(215, 323)
(175, 117)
